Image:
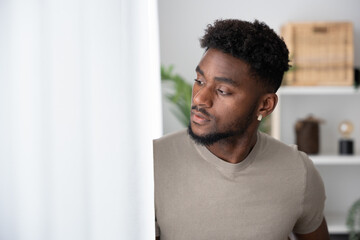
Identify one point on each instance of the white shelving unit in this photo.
(341, 174)
(323, 90)
(336, 160)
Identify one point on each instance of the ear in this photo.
(267, 104)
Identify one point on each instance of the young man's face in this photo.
(224, 100)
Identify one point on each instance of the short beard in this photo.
(215, 137)
(211, 138)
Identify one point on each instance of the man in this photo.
(223, 179)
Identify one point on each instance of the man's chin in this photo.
(208, 139)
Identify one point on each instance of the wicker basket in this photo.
(322, 53)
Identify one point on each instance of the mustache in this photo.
(202, 110)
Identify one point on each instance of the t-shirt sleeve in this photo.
(312, 213)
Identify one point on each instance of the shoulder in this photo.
(172, 136)
(283, 155)
(171, 139)
(290, 157)
(172, 146)
(298, 168)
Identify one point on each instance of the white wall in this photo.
(182, 23)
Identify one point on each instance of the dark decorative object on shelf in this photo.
(346, 144)
(356, 77)
(308, 134)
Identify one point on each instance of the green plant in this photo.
(353, 221)
(181, 97)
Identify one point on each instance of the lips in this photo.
(198, 117)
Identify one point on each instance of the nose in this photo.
(202, 96)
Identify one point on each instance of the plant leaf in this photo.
(181, 98)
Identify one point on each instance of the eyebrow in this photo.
(199, 70)
(219, 79)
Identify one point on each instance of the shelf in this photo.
(340, 173)
(318, 90)
(335, 160)
(336, 223)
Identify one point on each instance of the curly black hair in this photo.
(255, 43)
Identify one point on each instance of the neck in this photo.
(234, 149)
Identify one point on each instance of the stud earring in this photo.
(260, 117)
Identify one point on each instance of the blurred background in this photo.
(81, 99)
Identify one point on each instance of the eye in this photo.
(199, 82)
(222, 92)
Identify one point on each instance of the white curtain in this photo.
(79, 107)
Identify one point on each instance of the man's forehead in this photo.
(221, 64)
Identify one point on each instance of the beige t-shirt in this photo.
(274, 191)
